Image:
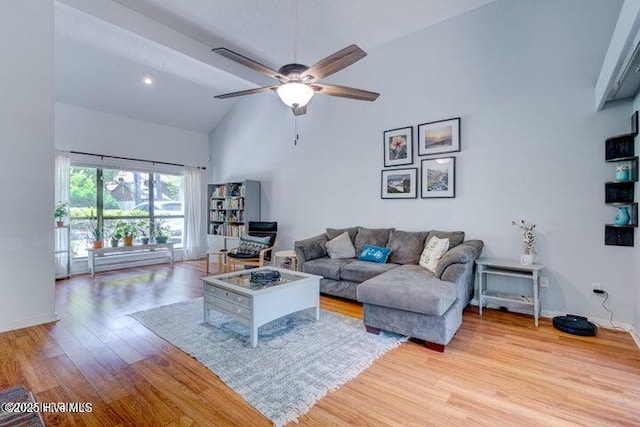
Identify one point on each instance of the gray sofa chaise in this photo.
(399, 295)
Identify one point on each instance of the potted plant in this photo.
(116, 235)
(60, 212)
(161, 231)
(95, 231)
(128, 232)
(143, 230)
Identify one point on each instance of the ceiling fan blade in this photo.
(344, 92)
(299, 111)
(333, 63)
(247, 92)
(248, 62)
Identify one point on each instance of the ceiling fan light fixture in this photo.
(295, 94)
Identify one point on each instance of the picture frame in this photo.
(399, 183)
(398, 146)
(442, 136)
(438, 178)
(634, 123)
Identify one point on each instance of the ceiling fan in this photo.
(298, 83)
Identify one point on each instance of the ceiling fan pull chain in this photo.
(295, 130)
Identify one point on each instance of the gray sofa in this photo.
(400, 295)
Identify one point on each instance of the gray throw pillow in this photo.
(252, 245)
(341, 247)
(332, 233)
(371, 236)
(455, 237)
(406, 246)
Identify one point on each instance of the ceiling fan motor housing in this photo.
(293, 71)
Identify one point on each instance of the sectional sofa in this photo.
(398, 296)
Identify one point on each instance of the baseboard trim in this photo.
(32, 321)
(602, 323)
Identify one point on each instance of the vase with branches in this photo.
(528, 240)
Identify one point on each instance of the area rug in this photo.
(297, 360)
(10, 399)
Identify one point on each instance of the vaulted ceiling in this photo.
(105, 48)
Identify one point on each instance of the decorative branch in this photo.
(528, 238)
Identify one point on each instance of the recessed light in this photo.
(148, 81)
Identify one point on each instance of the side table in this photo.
(512, 268)
(290, 255)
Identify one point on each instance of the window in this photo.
(106, 196)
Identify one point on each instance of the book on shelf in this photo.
(230, 230)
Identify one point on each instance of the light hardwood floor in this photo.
(499, 370)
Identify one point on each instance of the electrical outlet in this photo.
(596, 286)
(544, 282)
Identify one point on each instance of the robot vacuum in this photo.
(576, 325)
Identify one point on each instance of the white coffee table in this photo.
(254, 304)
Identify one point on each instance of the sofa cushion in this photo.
(359, 271)
(371, 236)
(326, 267)
(311, 248)
(433, 251)
(374, 254)
(341, 247)
(455, 237)
(339, 288)
(332, 233)
(411, 288)
(406, 246)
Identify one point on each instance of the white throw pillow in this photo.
(433, 251)
(341, 247)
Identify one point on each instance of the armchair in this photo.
(256, 248)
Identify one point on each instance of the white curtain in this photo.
(61, 185)
(192, 247)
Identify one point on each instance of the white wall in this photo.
(26, 135)
(521, 75)
(82, 129)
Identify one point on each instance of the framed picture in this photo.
(634, 123)
(438, 177)
(399, 183)
(439, 137)
(398, 146)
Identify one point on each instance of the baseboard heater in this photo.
(132, 256)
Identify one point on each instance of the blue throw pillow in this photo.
(374, 254)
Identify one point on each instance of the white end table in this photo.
(512, 268)
(290, 254)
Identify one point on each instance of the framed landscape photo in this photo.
(439, 137)
(398, 146)
(438, 178)
(399, 183)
